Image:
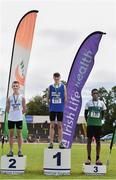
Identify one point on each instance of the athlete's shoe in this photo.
(98, 162)
(88, 162)
(50, 146)
(61, 146)
(10, 154)
(20, 154)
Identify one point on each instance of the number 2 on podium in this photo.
(12, 163)
(58, 156)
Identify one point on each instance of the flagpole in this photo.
(111, 145)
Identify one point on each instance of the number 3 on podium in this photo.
(58, 156)
(95, 169)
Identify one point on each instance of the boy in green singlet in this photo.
(94, 113)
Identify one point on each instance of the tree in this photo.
(109, 98)
(36, 106)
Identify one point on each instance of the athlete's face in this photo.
(95, 95)
(15, 87)
(56, 79)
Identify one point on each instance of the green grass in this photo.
(34, 169)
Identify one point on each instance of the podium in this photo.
(12, 165)
(57, 162)
(94, 169)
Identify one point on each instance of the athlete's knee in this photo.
(19, 134)
(11, 134)
(89, 140)
(59, 126)
(97, 141)
(52, 126)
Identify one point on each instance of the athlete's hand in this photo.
(23, 111)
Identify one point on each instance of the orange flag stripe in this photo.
(25, 31)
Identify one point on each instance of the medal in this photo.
(56, 88)
(15, 107)
(94, 104)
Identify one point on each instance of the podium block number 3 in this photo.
(12, 163)
(95, 169)
(58, 156)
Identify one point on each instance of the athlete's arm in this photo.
(7, 105)
(102, 114)
(23, 105)
(103, 111)
(86, 114)
(48, 96)
(65, 94)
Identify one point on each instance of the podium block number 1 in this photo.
(57, 162)
(58, 156)
(12, 163)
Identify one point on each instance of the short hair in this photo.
(15, 82)
(94, 90)
(56, 74)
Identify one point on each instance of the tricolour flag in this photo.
(20, 57)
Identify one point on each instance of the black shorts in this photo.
(11, 124)
(53, 116)
(94, 131)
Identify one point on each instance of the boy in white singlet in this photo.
(16, 108)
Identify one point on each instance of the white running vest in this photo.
(15, 111)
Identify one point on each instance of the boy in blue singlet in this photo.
(57, 97)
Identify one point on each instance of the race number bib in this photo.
(95, 114)
(56, 100)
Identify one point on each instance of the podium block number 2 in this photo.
(12, 163)
(58, 156)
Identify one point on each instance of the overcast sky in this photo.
(61, 26)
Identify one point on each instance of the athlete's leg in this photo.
(52, 125)
(19, 138)
(51, 132)
(98, 144)
(59, 125)
(89, 141)
(11, 135)
(98, 147)
(11, 126)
